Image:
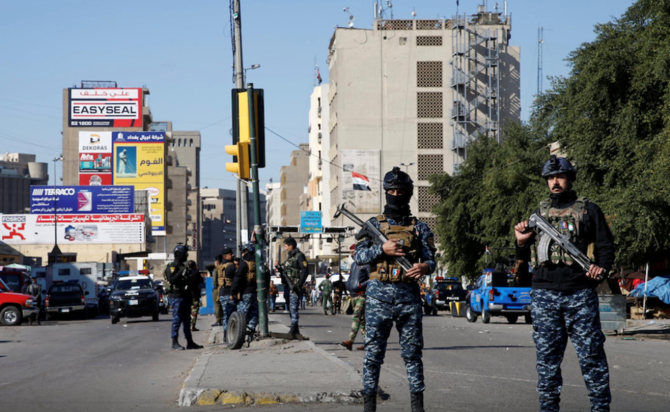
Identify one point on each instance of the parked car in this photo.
(15, 307)
(445, 290)
(134, 297)
(14, 278)
(66, 298)
(495, 294)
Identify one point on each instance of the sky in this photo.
(181, 51)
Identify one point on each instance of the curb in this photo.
(192, 395)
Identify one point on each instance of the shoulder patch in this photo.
(172, 269)
(304, 262)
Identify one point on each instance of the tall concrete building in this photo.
(18, 171)
(317, 197)
(415, 92)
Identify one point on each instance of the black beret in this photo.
(227, 251)
(290, 241)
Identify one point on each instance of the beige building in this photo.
(415, 92)
(19, 171)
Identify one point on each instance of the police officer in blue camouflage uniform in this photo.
(244, 283)
(295, 268)
(181, 281)
(564, 300)
(226, 275)
(393, 295)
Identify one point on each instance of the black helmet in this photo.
(397, 179)
(247, 247)
(556, 165)
(180, 252)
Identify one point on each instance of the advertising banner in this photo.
(310, 222)
(139, 160)
(365, 163)
(105, 107)
(82, 199)
(72, 229)
(95, 158)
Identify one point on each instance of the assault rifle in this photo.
(291, 285)
(370, 231)
(549, 234)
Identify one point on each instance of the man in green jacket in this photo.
(326, 288)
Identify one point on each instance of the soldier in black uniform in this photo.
(181, 281)
(245, 284)
(226, 276)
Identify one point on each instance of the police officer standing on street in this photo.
(245, 283)
(180, 297)
(226, 275)
(295, 269)
(393, 295)
(564, 300)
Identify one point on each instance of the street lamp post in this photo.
(56, 159)
(340, 239)
(407, 165)
(253, 67)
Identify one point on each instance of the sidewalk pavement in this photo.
(270, 371)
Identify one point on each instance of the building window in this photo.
(85, 271)
(430, 135)
(63, 272)
(426, 200)
(429, 74)
(429, 40)
(429, 105)
(430, 164)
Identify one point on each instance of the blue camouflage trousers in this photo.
(558, 315)
(294, 307)
(228, 306)
(181, 315)
(379, 319)
(249, 306)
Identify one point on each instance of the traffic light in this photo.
(240, 165)
(240, 105)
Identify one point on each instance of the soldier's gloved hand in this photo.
(522, 233)
(595, 272)
(418, 270)
(392, 248)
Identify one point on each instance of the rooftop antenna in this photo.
(390, 7)
(351, 17)
(413, 13)
(540, 43)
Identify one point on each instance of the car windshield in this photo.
(13, 282)
(65, 289)
(132, 284)
(450, 286)
(4, 286)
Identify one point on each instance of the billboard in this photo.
(105, 107)
(368, 164)
(72, 229)
(95, 158)
(139, 160)
(82, 199)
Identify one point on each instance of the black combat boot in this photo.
(369, 402)
(417, 402)
(192, 345)
(176, 345)
(225, 336)
(294, 330)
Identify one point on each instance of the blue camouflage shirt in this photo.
(367, 253)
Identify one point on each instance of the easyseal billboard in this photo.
(72, 229)
(105, 107)
(139, 160)
(82, 199)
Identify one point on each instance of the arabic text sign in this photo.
(72, 229)
(105, 108)
(310, 222)
(139, 160)
(82, 199)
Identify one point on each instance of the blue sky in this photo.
(181, 50)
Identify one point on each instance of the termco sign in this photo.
(72, 229)
(105, 108)
(82, 199)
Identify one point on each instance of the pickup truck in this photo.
(496, 294)
(15, 307)
(446, 290)
(66, 298)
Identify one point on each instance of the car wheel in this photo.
(154, 317)
(486, 317)
(11, 316)
(237, 329)
(529, 319)
(49, 316)
(115, 320)
(470, 315)
(84, 314)
(512, 319)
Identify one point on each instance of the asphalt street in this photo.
(88, 365)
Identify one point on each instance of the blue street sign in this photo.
(310, 222)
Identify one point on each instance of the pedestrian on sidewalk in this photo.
(392, 294)
(217, 283)
(35, 290)
(245, 283)
(273, 295)
(196, 290)
(315, 296)
(357, 282)
(180, 297)
(228, 305)
(326, 289)
(295, 268)
(564, 300)
(303, 297)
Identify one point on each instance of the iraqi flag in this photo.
(360, 182)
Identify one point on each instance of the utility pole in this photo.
(259, 244)
(242, 223)
(540, 46)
